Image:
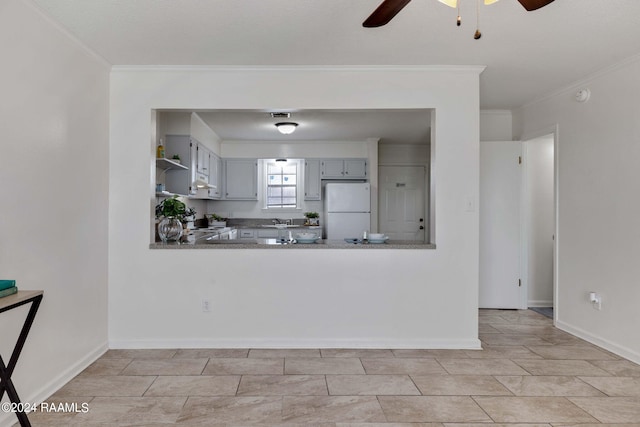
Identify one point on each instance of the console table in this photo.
(8, 303)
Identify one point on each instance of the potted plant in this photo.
(176, 158)
(216, 220)
(170, 211)
(313, 218)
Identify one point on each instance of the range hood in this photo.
(202, 181)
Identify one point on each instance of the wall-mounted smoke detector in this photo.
(583, 95)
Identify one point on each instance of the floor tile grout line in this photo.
(152, 382)
(238, 386)
(416, 385)
(386, 418)
(504, 385)
(473, 398)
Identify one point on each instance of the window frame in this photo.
(299, 186)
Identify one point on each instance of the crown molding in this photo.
(472, 69)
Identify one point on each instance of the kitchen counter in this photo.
(265, 244)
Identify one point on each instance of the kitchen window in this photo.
(282, 181)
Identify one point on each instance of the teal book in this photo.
(4, 284)
(8, 291)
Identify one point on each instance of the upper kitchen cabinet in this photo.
(215, 176)
(241, 179)
(343, 169)
(202, 163)
(312, 183)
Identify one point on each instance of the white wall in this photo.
(205, 135)
(404, 154)
(539, 217)
(53, 186)
(382, 298)
(496, 125)
(598, 241)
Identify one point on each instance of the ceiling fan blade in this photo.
(384, 13)
(534, 4)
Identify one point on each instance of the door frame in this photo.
(524, 251)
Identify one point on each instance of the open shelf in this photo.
(167, 164)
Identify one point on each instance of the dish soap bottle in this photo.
(160, 151)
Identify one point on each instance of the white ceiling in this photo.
(527, 54)
(391, 126)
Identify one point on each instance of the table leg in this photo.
(7, 371)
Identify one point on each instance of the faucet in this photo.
(282, 221)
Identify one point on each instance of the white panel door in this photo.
(401, 202)
(500, 189)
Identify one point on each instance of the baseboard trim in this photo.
(600, 342)
(462, 344)
(539, 303)
(8, 419)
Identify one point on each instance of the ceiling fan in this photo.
(390, 8)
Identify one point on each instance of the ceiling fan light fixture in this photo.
(286, 128)
(450, 3)
(454, 3)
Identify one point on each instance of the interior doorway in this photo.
(401, 206)
(517, 223)
(538, 201)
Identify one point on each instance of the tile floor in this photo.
(528, 373)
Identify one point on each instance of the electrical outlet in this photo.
(469, 204)
(206, 306)
(596, 300)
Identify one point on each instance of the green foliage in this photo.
(171, 207)
(312, 214)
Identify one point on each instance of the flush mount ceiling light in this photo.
(286, 128)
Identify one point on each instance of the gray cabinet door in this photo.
(344, 169)
(203, 160)
(241, 179)
(332, 168)
(312, 184)
(215, 176)
(355, 168)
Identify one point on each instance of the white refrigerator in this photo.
(347, 210)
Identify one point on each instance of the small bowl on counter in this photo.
(306, 237)
(377, 238)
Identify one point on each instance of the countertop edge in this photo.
(314, 246)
